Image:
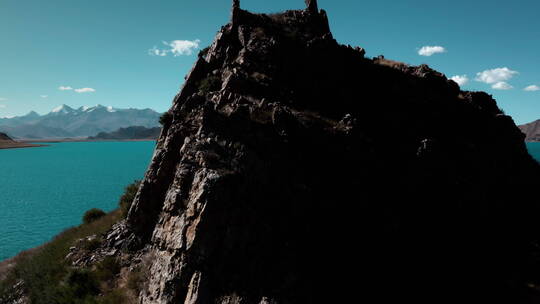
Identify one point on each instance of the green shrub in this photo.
(165, 118)
(209, 84)
(107, 269)
(93, 215)
(91, 244)
(136, 279)
(79, 284)
(127, 198)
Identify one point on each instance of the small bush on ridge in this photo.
(92, 215)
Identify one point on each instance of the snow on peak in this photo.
(65, 109)
(62, 109)
(91, 109)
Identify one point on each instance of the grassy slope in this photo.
(47, 276)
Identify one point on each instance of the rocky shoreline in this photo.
(7, 142)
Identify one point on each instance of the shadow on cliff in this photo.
(308, 171)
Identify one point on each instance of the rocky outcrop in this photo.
(4, 136)
(295, 170)
(7, 142)
(531, 131)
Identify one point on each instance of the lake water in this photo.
(46, 190)
(534, 150)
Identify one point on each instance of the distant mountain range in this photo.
(531, 130)
(67, 122)
(129, 133)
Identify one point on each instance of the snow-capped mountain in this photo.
(62, 110)
(65, 121)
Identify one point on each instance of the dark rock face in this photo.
(312, 6)
(4, 136)
(306, 171)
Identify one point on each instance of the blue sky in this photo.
(101, 48)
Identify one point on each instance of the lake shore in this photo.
(37, 143)
(18, 145)
(56, 140)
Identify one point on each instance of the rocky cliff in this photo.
(292, 169)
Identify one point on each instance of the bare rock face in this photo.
(292, 170)
(531, 131)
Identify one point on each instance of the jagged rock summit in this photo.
(292, 169)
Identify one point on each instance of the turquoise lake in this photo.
(46, 190)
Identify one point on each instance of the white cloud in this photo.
(460, 79)
(2, 106)
(183, 47)
(85, 90)
(501, 85)
(430, 50)
(532, 88)
(176, 48)
(65, 88)
(157, 52)
(496, 76)
(3, 99)
(43, 96)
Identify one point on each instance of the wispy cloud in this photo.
(3, 99)
(2, 106)
(431, 50)
(460, 79)
(68, 88)
(176, 48)
(501, 85)
(157, 52)
(43, 96)
(85, 90)
(183, 47)
(497, 78)
(532, 88)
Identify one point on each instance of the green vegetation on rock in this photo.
(128, 197)
(209, 84)
(93, 215)
(47, 276)
(165, 118)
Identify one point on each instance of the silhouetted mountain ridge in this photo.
(136, 132)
